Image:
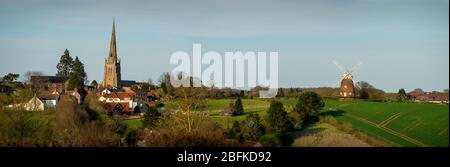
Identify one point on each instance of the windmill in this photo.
(347, 88)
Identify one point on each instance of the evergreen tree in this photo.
(252, 127)
(235, 130)
(277, 118)
(280, 92)
(77, 75)
(238, 108)
(94, 83)
(64, 66)
(150, 117)
(10, 77)
(401, 95)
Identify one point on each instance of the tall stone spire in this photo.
(112, 46)
(112, 76)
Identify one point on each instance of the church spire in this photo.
(112, 76)
(112, 46)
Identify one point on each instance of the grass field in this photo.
(404, 124)
(400, 124)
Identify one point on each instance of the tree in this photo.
(75, 128)
(28, 75)
(367, 91)
(238, 108)
(65, 64)
(94, 83)
(77, 76)
(277, 118)
(419, 90)
(10, 77)
(150, 81)
(235, 131)
(270, 140)
(364, 94)
(242, 94)
(308, 105)
(164, 82)
(145, 86)
(280, 92)
(364, 85)
(401, 95)
(252, 127)
(150, 117)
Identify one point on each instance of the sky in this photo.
(401, 43)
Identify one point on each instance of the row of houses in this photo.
(128, 101)
(46, 100)
(429, 97)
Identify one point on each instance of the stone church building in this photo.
(111, 75)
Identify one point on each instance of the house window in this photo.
(118, 108)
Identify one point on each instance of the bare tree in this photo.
(28, 75)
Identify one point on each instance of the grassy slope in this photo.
(250, 106)
(325, 135)
(426, 123)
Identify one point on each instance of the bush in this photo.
(296, 119)
(20, 128)
(329, 120)
(252, 127)
(164, 137)
(270, 140)
(76, 129)
(235, 131)
(346, 127)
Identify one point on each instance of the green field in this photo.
(403, 124)
(399, 124)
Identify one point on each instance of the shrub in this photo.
(346, 127)
(296, 119)
(252, 127)
(76, 129)
(20, 128)
(329, 120)
(164, 137)
(270, 140)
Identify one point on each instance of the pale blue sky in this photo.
(402, 43)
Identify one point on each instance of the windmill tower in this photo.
(347, 88)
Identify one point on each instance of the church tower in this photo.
(111, 75)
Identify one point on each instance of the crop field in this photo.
(400, 124)
(403, 124)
